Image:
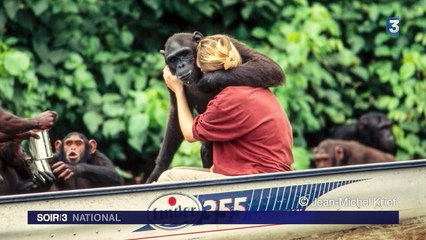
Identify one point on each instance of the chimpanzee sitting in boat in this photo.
(78, 164)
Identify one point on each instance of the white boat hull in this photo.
(397, 186)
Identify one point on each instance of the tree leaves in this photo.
(137, 127)
(46, 70)
(112, 127)
(74, 60)
(93, 120)
(97, 64)
(407, 70)
(126, 38)
(11, 7)
(6, 87)
(40, 6)
(16, 63)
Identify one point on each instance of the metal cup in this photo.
(41, 153)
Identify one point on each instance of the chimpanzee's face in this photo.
(74, 148)
(182, 63)
(375, 129)
(322, 158)
(180, 55)
(385, 139)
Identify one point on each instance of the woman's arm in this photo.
(184, 113)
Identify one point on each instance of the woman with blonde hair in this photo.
(250, 131)
(217, 52)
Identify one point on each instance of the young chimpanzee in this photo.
(78, 164)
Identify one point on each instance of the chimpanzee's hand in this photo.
(39, 183)
(45, 120)
(63, 171)
(48, 177)
(42, 181)
(25, 135)
(209, 81)
(28, 185)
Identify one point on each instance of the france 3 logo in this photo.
(392, 26)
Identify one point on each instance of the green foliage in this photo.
(188, 155)
(97, 64)
(340, 63)
(302, 158)
(77, 58)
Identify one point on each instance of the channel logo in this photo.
(392, 26)
(176, 207)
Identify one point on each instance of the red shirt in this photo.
(249, 130)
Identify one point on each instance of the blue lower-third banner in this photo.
(213, 217)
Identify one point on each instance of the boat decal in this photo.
(285, 198)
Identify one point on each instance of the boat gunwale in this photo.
(46, 196)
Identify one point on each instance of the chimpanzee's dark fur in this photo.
(331, 152)
(373, 129)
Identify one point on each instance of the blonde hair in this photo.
(217, 52)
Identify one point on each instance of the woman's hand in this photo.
(172, 82)
(184, 113)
